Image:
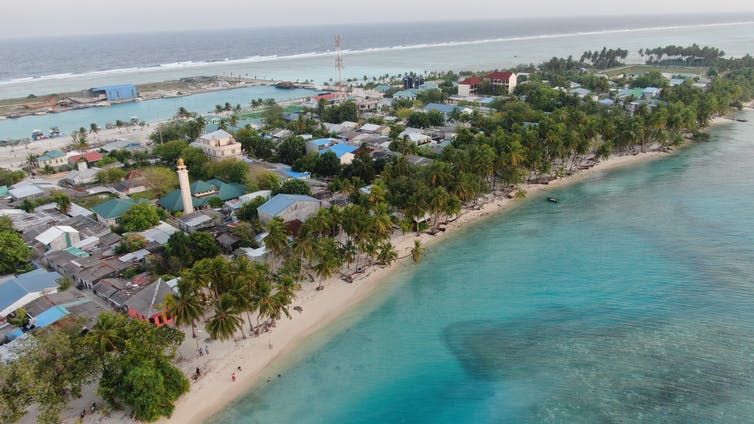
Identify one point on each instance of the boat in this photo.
(54, 132)
(37, 135)
(285, 84)
(553, 200)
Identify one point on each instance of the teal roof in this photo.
(173, 201)
(201, 187)
(225, 191)
(52, 154)
(116, 207)
(75, 251)
(410, 93)
(4, 191)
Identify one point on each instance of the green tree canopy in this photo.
(140, 217)
(294, 186)
(291, 150)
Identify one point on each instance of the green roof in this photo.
(116, 207)
(173, 201)
(225, 191)
(201, 187)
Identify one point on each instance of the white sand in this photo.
(215, 389)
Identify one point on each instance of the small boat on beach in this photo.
(553, 200)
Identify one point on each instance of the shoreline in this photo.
(215, 390)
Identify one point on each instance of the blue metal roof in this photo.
(446, 109)
(10, 293)
(114, 87)
(50, 316)
(341, 149)
(322, 141)
(38, 280)
(281, 202)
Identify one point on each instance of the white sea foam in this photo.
(271, 58)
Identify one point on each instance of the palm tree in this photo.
(93, 128)
(225, 322)
(386, 254)
(416, 252)
(327, 259)
(303, 247)
(106, 335)
(186, 307)
(277, 237)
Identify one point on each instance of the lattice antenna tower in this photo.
(339, 66)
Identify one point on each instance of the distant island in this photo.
(238, 225)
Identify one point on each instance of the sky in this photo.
(66, 17)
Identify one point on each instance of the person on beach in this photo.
(233, 377)
(94, 406)
(206, 349)
(83, 414)
(239, 369)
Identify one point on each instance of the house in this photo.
(651, 92)
(280, 134)
(382, 130)
(199, 220)
(442, 108)
(110, 211)
(83, 175)
(320, 144)
(122, 145)
(58, 237)
(159, 234)
(469, 86)
(219, 145)
(24, 288)
(228, 242)
(289, 207)
(149, 304)
(52, 158)
(415, 136)
(89, 157)
(201, 193)
(135, 182)
(507, 81)
(429, 85)
(115, 92)
(409, 94)
(25, 190)
(344, 152)
(502, 82)
(580, 92)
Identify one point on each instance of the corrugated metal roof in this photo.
(281, 202)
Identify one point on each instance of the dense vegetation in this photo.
(131, 359)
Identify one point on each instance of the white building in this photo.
(219, 145)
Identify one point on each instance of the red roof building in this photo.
(500, 77)
(89, 157)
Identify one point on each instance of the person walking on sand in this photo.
(233, 377)
(206, 350)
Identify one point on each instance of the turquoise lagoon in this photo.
(632, 300)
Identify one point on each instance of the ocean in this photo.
(306, 53)
(631, 300)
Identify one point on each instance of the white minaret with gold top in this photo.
(183, 180)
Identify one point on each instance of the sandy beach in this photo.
(215, 388)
